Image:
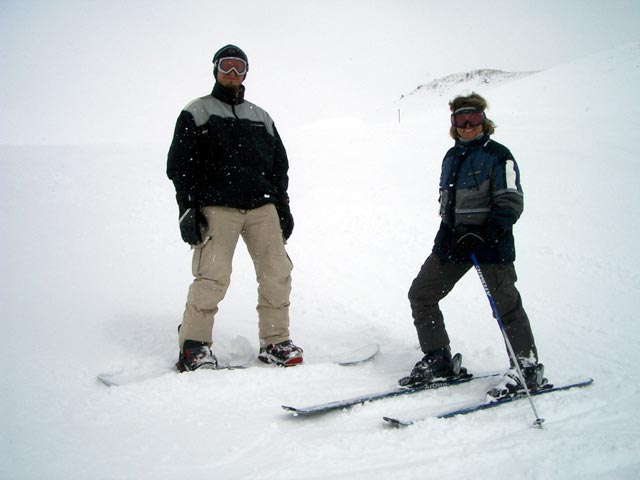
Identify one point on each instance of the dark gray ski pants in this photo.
(437, 278)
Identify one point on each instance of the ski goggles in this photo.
(228, 64)
(467, 117)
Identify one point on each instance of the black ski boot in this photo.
(510, 384)
(284, 354)
(436, 364)
(195, 357)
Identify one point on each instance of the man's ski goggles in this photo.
(467, 117)
(228, 64)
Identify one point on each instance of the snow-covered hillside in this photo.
(95, 277)
(475, 79)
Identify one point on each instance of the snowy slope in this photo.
(95, 277)
(433, 96)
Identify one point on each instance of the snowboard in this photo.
(122, 377)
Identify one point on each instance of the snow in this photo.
(95, 277)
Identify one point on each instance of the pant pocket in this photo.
(196, 260)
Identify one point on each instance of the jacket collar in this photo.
(479, 140)
(228, 95)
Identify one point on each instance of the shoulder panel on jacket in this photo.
(205, 107)
(498, 149)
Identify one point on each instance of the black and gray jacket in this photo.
(479, 191)
(227, 152)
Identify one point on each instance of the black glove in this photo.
(192, 224)
(286, 220)
(492, 233)
(468, 240)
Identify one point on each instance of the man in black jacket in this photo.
(229, 168)
(480, 201)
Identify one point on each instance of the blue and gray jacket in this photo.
(479, 191)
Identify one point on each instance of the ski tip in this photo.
(396, 422)
(105, 379)
(287, 408)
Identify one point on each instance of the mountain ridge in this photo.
(467, 80)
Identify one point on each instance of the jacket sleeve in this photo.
(182, 160)
(508, 198)
(280, 179)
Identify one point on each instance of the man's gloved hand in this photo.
(192, 224)
(468, 240)
(286, 220)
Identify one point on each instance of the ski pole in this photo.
(538, 421)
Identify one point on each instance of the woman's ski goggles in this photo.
(467, 117)
(228, 64)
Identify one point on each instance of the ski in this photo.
(394, 392)
(122, 377)
(548, 388)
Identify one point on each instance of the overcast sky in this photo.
(84, 71)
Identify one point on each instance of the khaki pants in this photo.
(211, 266)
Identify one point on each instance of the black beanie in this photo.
(229, 51)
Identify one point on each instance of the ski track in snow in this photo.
(95, 278)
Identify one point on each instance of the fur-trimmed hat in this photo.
(475, 101)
